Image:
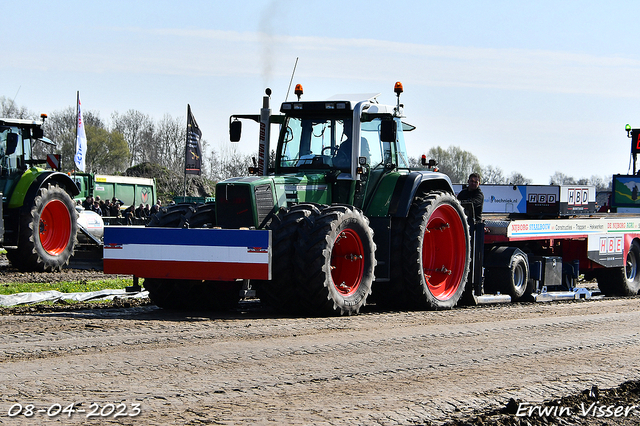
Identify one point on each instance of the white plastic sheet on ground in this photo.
(52, 296)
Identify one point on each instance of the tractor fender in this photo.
(34, 179)
(408, 185)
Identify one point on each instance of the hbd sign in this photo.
(609, 245)
(578, 196)
(541, 198)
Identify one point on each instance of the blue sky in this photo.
(534, 87)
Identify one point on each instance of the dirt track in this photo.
(249, 367)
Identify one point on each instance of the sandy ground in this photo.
(144, 365)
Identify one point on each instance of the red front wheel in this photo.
(335, 255)
(436, 252)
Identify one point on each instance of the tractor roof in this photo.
(354, 98)
(20, 122)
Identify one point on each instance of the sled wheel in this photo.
(190, 294)
(161, 292)
(336, 260)
(193, 294)
(47, 232)
(623, 281)
(512, 280)
(436, 252)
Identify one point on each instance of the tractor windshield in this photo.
(316, 143)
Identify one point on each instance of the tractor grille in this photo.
(234, 205)
(264, 201)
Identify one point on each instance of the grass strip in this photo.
(66, 286)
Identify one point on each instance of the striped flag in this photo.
(193, 152)
(81, 140)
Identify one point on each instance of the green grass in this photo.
(65, 287)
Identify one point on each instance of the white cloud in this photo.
(215, 53)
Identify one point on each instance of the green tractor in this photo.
(349, 218)
(39, 220)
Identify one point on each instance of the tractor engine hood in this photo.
(246, 202)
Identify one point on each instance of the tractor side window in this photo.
(10, 147)
(291, 146)
(370, 145)
(3, 141)
(403, 158)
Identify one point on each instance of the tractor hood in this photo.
(247, 201)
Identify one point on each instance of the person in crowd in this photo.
(87, 204)
(156, 207)
(115, 207)
(106, 210)
(139, 212)
(129, 214)
(103, 207)
(96, 208)
(473, 194)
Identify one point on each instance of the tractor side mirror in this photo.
(37, 133)
(235, 130)
(12, 143)
(388, 131)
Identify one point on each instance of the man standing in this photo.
(473, 194)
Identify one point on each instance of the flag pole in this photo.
(186, 151)
(76, 144)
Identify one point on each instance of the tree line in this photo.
(133, 138)
(459, 164)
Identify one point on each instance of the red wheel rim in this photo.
(347, 262)
(55, 227)
(443, 252)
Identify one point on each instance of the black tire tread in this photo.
(415, 294)
(30, 255)
(312, 262)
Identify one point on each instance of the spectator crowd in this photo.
(113, 208)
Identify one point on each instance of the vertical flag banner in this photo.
(81, 140)
(193, 152)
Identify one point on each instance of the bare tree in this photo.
(559, 178)
(455, 162)
(226, 162)
(493, 175)
(170, 139)
(137, 129)
(601, 183)
(9, 109)
(516, 178)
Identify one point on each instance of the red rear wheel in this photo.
(435, 252)
(47, 231)
(443, 248)
(55, 227)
